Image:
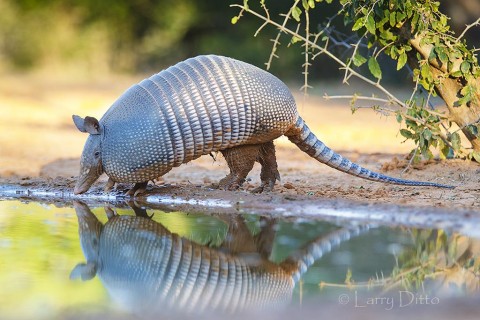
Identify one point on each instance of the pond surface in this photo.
(76, 260)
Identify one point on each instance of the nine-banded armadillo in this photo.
(199, 106)
(147, 269)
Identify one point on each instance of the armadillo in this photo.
(202, 105)
(146, 268)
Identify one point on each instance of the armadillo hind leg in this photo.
(138, 189)
(269, 174)
(264, 239)
(240, 161)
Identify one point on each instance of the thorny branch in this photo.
(323, 50)
(330, 38)
(306, 64)
(276, 41)
(468, 27)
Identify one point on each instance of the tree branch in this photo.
(468, 27)
(323, 50)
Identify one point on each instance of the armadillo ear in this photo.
(89, 124)
(84, 271)
(79, 123)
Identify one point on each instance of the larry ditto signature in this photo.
(401, 300)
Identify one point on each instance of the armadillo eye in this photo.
(96, 154)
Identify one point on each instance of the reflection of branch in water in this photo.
(146, 267)
(437, 263)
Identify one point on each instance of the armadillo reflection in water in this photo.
(146, 267)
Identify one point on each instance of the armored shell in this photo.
(200, 105)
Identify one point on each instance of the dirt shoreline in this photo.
(303, 180)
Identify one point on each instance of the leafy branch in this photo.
(411, 32)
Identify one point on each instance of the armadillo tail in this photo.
(323, 245)
(309, 143)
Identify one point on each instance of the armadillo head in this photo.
(91, 161)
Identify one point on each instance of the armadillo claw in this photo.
(265, 187)
(259, 189)
(231, 182)
(109, 185)
(138, 189)
(110, 212)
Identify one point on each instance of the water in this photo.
(147, 262)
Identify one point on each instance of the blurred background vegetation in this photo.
(143, 36)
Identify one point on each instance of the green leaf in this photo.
(425, 71)
(400, 16)
(444, 150)
(370, 25)
(393, 52)
(427, 154)
(402, 60)
(399, 118)
(463, 100)
(388, 35)
(415, 18)
(427, 134)
(443, 20)
(467, 92)
(465, 67)
(473, 129)
(374, 68)
(296, 12)
(476, 155)
(406, 133)
(358, 59)
(305, 4)
(456, 142)
(358, 24)
(456, 74)
(393, 21)
(442, 55)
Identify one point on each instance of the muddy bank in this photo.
(302, 179)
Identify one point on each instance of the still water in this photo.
(59, 261)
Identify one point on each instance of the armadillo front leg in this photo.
(269, 174)
(109, 185)
(240, 160)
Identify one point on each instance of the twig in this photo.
(327, 97)
(267, 20)
(410, 161)
(466, 125)
(345, 78)
(265, 23)
(468, 27)
(387, 101)
(307, 55)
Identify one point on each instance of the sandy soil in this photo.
(40, 147)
